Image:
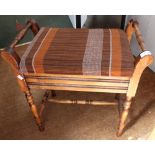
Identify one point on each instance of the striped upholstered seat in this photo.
(99, 52)
(85, 60)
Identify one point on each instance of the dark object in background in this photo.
(105, 21)
(123, 21)
(78, 21)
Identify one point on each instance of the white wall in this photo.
(73, 20)
(146, 24)
(83, 19)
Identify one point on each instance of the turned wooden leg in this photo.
(124, 115)
(33, 108)
(120, 100)
(53, 93)
(44, 102)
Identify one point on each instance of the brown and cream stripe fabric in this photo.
(98, 52)
(91, 64)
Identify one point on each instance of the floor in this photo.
(65, 121)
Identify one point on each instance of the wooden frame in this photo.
(78, 83)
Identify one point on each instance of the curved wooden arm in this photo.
(139, 68)
(12, 58)
(141, 62)
(14, 65)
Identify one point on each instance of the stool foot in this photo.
(45, 97)
(33, 108)
(124, 115)
(41, 127)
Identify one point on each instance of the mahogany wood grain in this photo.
(124, 116)
(44, 100)
(91, 102)
(12, 58)
(87, 83)
(34, 110)
(83, 89)
(141, 64)
(129, 30)
(139, 37)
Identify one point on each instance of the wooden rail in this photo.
(141, 63)
(139, 37)
(31, 24)
(91, 102)
(20, 35)
(9, 53)
(133, 26)
(79, 83)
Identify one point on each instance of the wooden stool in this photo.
(91, 60)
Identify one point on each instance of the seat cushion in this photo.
(98, 52)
